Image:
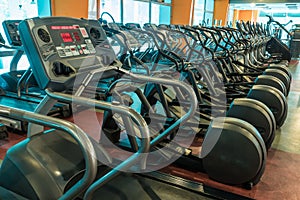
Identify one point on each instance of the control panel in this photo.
(12, 32)
(150, 26)
(61, 49)
(133, 25)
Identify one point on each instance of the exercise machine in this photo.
(211, 132)
(62, 162)
(18, 87)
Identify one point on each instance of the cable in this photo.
(101, 20)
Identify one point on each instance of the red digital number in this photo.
(66, 37)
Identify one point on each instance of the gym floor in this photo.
(288, 137)
(282, 174)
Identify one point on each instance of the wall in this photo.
(221, 10)
(181, 12)
(246, 15)
(71, 8)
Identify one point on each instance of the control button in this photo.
(91, 48)
(77, 38)
(74, 50)
(68, 51)
(85, 49)
(61, 52)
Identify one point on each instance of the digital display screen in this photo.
(66, 37)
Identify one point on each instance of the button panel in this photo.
(69, 41)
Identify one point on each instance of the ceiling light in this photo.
(292, 7)
(290, 4)
(260, 5)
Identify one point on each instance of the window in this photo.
(21, 9)
(136, 11)
(113, 7)
(209, 11)
(198, 12)
(92, 12)
(203, 12)
(161, 13)
(10, 10)
(209, 5)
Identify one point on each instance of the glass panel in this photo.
(11, 10)
(155, 13)
(209, 18)
(17, 10)
(209, 5)
(4, 14)
(160, 14)
(113, 7)
(92, 12)
(198, 12)
(136, 11)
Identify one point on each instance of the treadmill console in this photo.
(12, 32)
(133, 25)
(61, 48)
(150, 26)
(127, 37)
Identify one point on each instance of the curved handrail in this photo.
(82, 139)
(131, 160)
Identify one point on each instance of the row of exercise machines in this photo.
(160, 88)
(224, 65)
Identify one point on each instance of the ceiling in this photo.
(274, 7)
(264, 1)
